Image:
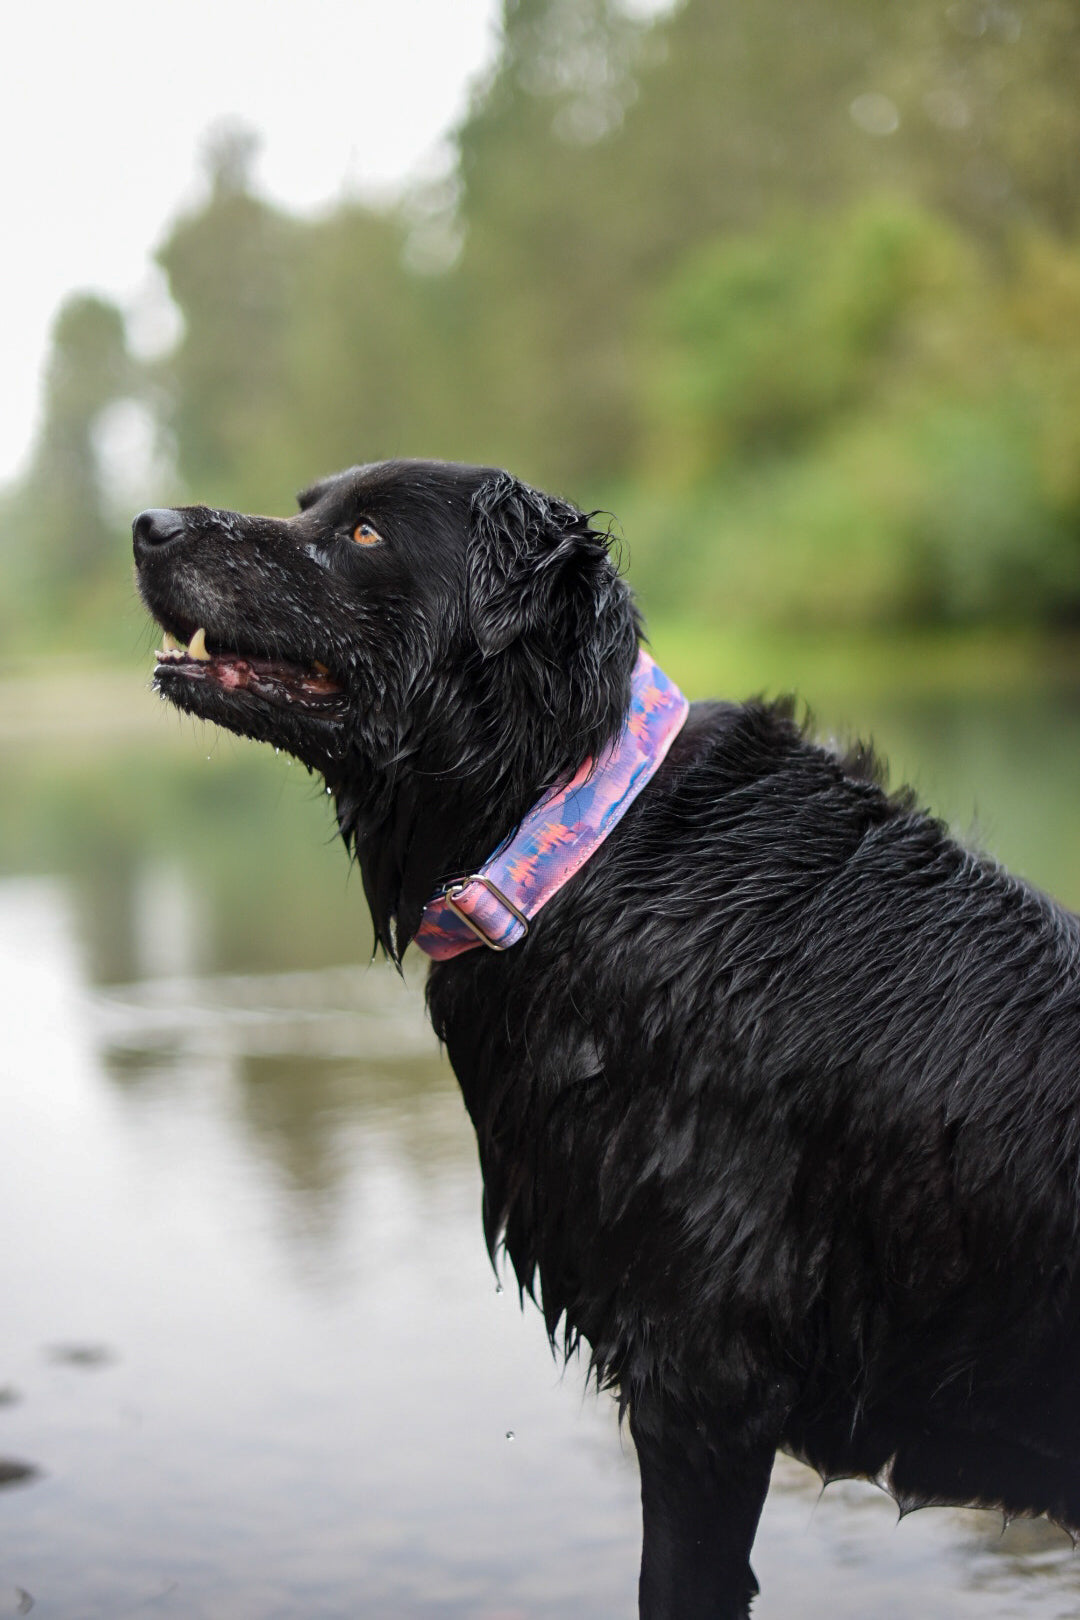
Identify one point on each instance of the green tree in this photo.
(60, 537)
(372, 355)
(232, 271)
(791, 284)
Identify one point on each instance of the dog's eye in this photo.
(365, 535)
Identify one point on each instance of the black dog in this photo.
(777, 1103)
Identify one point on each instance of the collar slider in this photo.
(452, 894)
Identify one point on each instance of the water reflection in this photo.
(253, 1362)
(268, 1437)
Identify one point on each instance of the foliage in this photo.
(233, 272)
(59, 514)
(793, 286)
(870, 422)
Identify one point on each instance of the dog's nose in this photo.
(156, 527)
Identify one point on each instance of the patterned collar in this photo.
(495, 905)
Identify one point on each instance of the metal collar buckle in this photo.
(450, 896)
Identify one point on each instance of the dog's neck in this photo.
(495, 903)
(449, 799)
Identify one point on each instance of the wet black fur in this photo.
(777, 1103)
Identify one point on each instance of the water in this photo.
(253, 1361)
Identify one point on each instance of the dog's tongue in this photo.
(237, 671)
(234, 673)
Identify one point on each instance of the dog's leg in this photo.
(703, 1486)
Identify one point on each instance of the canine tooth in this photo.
(197, 647)
(169, 643)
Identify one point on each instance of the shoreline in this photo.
(88, 701)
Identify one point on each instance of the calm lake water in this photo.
(253, 1360)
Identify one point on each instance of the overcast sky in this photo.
(104, 109)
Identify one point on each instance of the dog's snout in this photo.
(156, 527)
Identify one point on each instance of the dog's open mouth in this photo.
(273, 679)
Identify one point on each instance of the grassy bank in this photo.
(85, 701)
(823, 667)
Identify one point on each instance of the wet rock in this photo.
(13, 1472)
(81, 1355)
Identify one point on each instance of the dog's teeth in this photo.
(170, 648)
(197, 647)
(170, 651)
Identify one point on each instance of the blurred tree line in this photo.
(791, 286)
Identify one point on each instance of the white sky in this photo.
(104, 108)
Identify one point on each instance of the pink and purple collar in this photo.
(495, 905)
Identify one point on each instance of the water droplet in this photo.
(329, 790)
(498, 1287)
(510, 1434)
(277, 750)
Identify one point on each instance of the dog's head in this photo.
(442, 643)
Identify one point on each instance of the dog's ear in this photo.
(524, 545)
